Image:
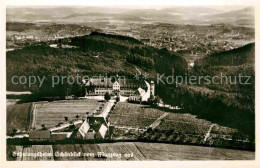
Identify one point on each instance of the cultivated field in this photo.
(18, 118)
(130, 151)
(132, 121)
(160, 151)
(52, 113)
(30, 153)
(38, 152)
(190, 124)
(134, 115)
(142, 116)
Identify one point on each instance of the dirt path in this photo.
(157, 122)
(129, 128)
(140, 73)
(208, 133)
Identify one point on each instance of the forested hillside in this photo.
(235, 57)
(92, 54)
(225, 101)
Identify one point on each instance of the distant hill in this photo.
(234, 57)
(242, 17)
(177, 15)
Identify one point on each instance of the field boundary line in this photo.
(140, 151)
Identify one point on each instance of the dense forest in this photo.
(228, 103)
(92, 54)
(234, 57)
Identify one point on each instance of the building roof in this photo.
(139, 92)
(102, 131)
(108, 82)
(40, 134)
(60, 135)
(95, 119)
(83, 129)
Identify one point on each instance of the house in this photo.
(58, 136)
(93, 128)
(39, 135)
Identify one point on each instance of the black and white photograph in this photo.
(130, 82)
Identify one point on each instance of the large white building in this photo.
(136, 90)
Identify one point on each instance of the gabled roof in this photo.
(116, 83)
(83, 129)
(102, 131)
(40, 134)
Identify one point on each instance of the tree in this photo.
(154, 101)
(151, 100)
(117, 99)
(72, 126)
(107, 96)
(157, 100)
(44, 127)
(66, 118)
(77, 116)
(14, 132)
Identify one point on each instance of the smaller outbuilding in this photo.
(39, 135)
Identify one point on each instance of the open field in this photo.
(130, 151)
(18, 118)
(52, 113)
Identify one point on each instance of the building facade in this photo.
(122, 86)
